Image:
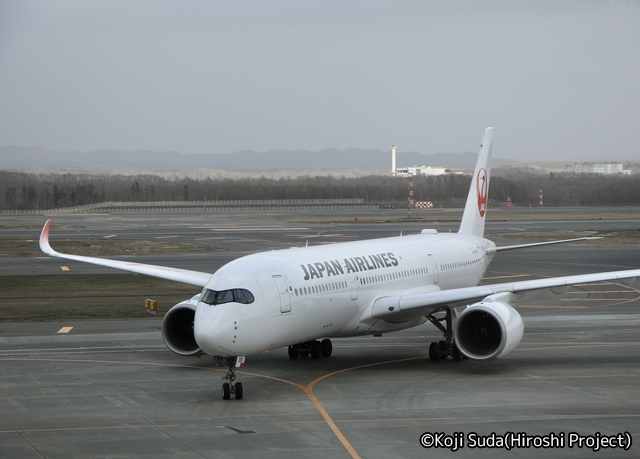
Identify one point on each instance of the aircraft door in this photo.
(434, 269)
(353, 278)
(283, 290)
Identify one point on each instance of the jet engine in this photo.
(177, 328)
(488, 330)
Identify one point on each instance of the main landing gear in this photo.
(231, 387)
(317, 349)
(446, 347)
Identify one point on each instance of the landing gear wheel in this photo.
(294, 351)
(232, 387)
(434, 352)
(446, 347)
(443, 350)
(316, 350)
(456, 354)
(327, 348)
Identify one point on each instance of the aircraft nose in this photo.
(213, 328)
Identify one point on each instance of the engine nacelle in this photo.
(488, 330)
(177, 328)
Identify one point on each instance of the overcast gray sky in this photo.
(558, 80)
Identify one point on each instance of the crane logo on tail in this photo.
(482, 189)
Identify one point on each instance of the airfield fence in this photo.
(249, 205)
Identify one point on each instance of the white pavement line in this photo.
(65, 330)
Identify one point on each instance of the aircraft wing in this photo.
(394, 308)
(197, 278)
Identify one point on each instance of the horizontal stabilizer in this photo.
(493, 250)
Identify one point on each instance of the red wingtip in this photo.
(44, 239)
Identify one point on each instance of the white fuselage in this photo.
(308, 293)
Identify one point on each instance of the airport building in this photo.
(415, 170)
(600, 168)
(422, 170)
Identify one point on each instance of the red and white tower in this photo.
(540, 205)
(410, 198)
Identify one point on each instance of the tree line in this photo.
(31, 191)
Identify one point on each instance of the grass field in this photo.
(627, 237)
(100, 248)
(455, 214)
(83, 296)
(86, 296)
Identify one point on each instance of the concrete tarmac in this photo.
(112, 389)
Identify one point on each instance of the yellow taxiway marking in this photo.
(323, 412)
(64, 268)
(65, 330)
(308, 389)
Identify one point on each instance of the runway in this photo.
(238, 234)
(112, 389)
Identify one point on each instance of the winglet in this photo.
(197, 278)
(44, 240)
(476, 207)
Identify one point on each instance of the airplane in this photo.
(300, 298)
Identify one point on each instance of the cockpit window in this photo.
(238, 295)
(208, 296)
(226, 296)
(243, 296)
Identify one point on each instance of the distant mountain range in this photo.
(26, 158)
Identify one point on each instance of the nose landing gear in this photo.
(231, 387)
